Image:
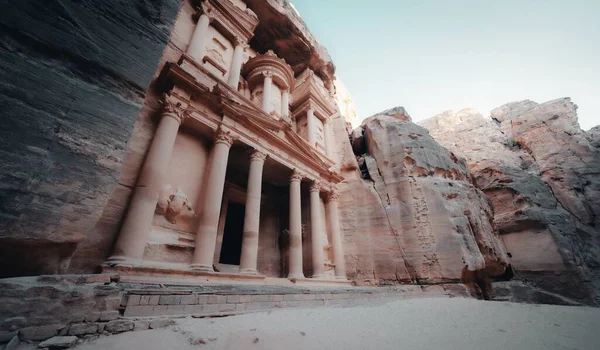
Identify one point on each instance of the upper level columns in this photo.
(248, 259)
(336, 235)
(138, 221)
(327, 137)
(316, 225)
(236, 63)
(311, 126)
(285, 104)
(197, 46)
(206, 236)
(267, 88)
(295, 232)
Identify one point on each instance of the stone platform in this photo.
(163, 273)
(147, 300)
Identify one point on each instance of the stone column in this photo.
(210, 210)
(248, 259)
(311, 126)
(138, 221)
(316, 222)
(327, 137)
(285, 104)
(236, 64)
(295, 248)
(197, 45)
(266, 97)
(336, 235)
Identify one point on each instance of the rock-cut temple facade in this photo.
(208, 142)
(240, 178)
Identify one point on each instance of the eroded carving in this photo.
(175, 205)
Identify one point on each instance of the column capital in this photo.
(224, 137)
(172, 108)
(241, 42)
(296, 176)
(316, 186)
(256, 155)
(204, 9)
(333, 196)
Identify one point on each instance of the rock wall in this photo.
(74, 76)
(542, 174)
(409, 209)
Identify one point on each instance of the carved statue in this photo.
(174, 205)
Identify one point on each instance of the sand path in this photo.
(408, 324)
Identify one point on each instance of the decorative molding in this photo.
(260, 65)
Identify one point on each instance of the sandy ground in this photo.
(408, 324)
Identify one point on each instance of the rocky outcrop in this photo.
(74, 76)
(542, 174)
(409, 209)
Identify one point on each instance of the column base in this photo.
(249, 272)
(319, 276)
(295, 275)
(341, 278)
(123, 260)
(201, 268)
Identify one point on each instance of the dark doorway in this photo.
(231, 249)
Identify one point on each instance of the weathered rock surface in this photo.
(59, 342)
(411, 213)
(41, 307)
(542, 173)
(74, 75)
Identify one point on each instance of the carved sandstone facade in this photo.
(267, 165)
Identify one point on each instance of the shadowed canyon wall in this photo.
(74, 76)
(542, 174)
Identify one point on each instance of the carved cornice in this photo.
(224, 137)
(257, 155)
(172, 108)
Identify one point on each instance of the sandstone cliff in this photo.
(542, 173)
(74, 75)
(409, 209)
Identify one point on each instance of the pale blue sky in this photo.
(434, 55)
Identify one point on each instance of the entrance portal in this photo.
(231, 249)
